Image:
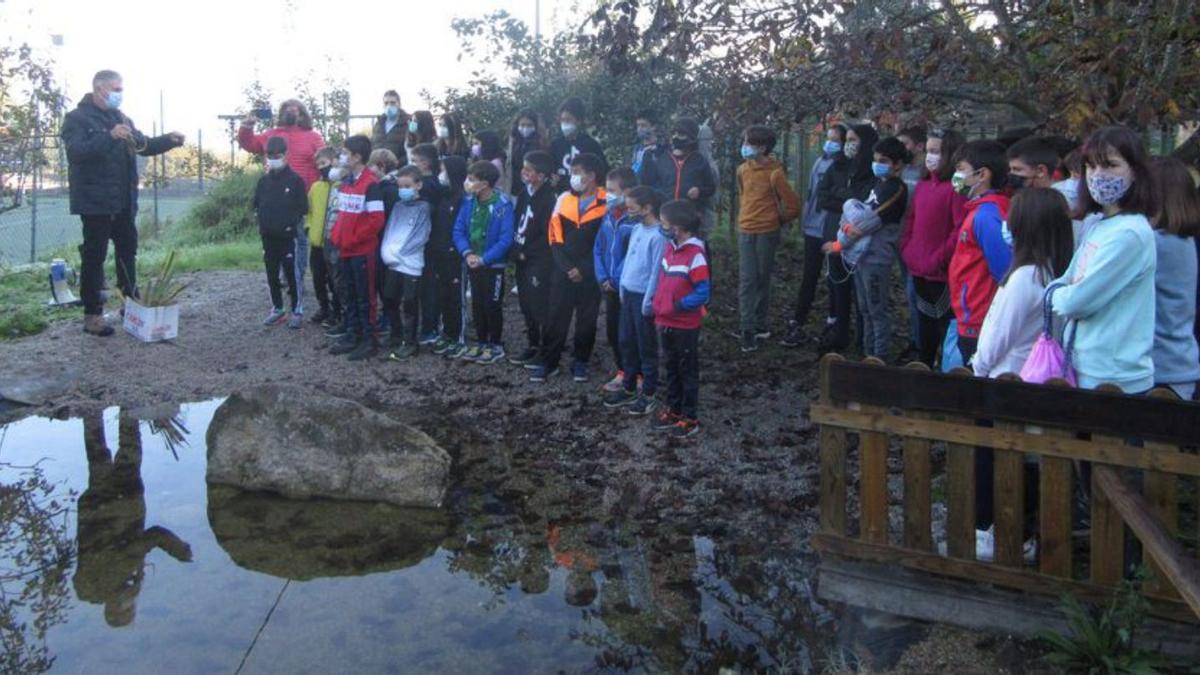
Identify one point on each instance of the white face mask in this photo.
(344, 160)
(444, 179)
(443, 132)
(568, 129)
(276, 164)
(933, 161)
(336, 173)
(577, 183)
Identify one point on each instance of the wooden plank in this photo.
(833, 463)
(1107, 561)
(960, 491)
(872, 481)
(1054, 517)
(1115, 414)
(1099, 451)
(1180, 570)
(1162, 495)
(918, 524)
(977, 572)
(927, 597)
(1009, 505)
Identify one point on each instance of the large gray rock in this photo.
(301, 444)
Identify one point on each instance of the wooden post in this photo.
(872, 484)
(917, 521)
(1163, 497)
(1008, 497)
(833, 463)
(960, 493)
(1107, 560)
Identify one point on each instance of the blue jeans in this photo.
(639, 345)
(357, 277)
(873, 285)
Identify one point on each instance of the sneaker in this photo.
(617, 383)
(276, 317)
(664, 419)
(685, 427)
(542, 373)
(762, 333)
(524, 357)
(94, 324)
(455, 350)
(337, 330)
(365, 350)
(580, 371)
(406, 350)
(536, 363)
(296, 322)
(490, 354)
(619, 398)
(428, 339)
(344, 345)
(332, 321)
(642, 405)
(320, 317)
(794, 337)
(749, 343)
(471, 353)
(440, 346)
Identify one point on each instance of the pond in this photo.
(116, 556)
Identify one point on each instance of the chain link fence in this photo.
(35, 216)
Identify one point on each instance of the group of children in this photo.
(395, 249)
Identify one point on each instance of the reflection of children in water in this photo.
(113, 539)
(581, 586)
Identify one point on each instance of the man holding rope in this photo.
(102, 148)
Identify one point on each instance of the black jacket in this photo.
(280, 203)
(563, 151)
(391, 140)
(671, 181)
(102, 170)
(531, 218)
(391, 194)
(847, 179)
(441, 236)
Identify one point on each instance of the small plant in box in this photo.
(154, 314)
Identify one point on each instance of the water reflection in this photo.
(113, 538)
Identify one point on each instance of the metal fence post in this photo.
(156, 179)
(33, 196)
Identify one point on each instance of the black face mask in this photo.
(682, 143)
(289, 119)
(1017, 182)
(325, 172)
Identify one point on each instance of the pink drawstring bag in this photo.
(1048, 360)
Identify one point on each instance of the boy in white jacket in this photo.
(403, 252)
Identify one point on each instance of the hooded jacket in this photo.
(564, 149)
(531, 238)
(980, 261)
(318, 203)
(673, 177)
(572, 234)
(360, 216)
(812, 221)
(612, 241)
(280, 203)
(499, 236)
(849, 179)
(102, 171)
(931, 228)
(403, 245)
(764, 191)
(302, 147)
(683, 289)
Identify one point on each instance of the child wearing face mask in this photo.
(527, 134)
(402, 250)
(572, 141)
(483, 235)
(531, 250)
(447, 265)
(450, 140)
(1109, 293)
(683, 173)
(280, 204)
(420, 129)
(318, 210)
(612, 239)
(425, 158)
(486, 147)
(983, 254)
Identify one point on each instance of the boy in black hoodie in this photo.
(852, 179)
(531, 249)
(425, 157)
(447, 264)
(280, 204)
(574, 141)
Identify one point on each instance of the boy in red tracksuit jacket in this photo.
(356, 235)
(679, 304)
(982, 257)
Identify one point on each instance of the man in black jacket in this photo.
(102, 147)
(683, 173)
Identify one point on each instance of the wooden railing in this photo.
(1124, 439)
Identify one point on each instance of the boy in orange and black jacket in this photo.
(573, 288)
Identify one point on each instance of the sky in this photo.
(200, 55)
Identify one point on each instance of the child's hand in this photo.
(694, 193)
(827, 248)
(474, 261)
(575, 275)
(607, 286)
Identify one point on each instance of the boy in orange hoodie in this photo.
(767, 201)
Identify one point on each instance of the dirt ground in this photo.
(751, 472)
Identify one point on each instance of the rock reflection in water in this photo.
(113, 538)
(309, 539)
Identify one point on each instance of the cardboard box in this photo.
(151, 324)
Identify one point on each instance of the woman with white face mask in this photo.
(929, 237)
(573, 140)
(528, 133)
(1107, 294)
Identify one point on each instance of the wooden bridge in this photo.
(1140, 453)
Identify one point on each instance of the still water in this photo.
(116, 556)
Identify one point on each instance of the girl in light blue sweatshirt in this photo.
(1176, 354)
(1109, 292)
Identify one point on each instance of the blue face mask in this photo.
(666, 231)
(832, 147)
(614, 201)
(113, 99)
(407, 194)
(748, 152)
(880, 169)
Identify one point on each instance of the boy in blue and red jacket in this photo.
(680, 300)
(982, 257)
(355, 233)
(612, 240)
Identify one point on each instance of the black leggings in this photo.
(814, 258)
(933, 330)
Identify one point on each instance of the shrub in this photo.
(226, 213)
